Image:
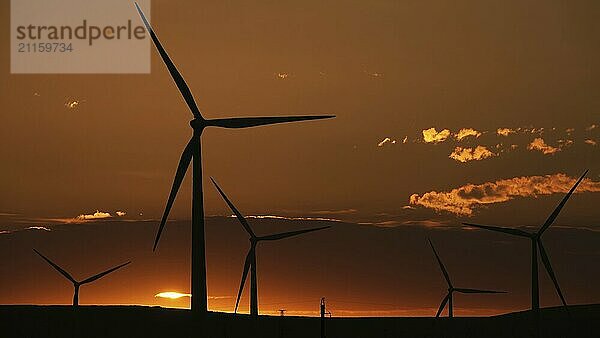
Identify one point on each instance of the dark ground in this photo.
(139, 321)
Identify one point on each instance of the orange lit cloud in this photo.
(282, 76)
(504, 131)
(540, 145)
(432, 136)
(466, 132)
(72, 104)
(121, 213)
(386, 140)
(590, 142)
(38, 228)
(463, 200)
(471, 154)
(591, 127)
(97, 215)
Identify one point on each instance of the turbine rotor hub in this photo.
(198, 123)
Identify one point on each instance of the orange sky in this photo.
(445, 112)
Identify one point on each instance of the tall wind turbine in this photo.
(193, 151)
(451, 289)
(250, 263)
(536, 243)
(77, 284)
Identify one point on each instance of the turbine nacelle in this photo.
(198, 123)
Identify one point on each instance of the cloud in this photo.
(565, 143)
(281, 76)
(38, 228)
(121, 213)
(469, 154)
(591, 127)
(290, 218)
(386, 140)
(504, 131)
(374, 74)
(405, 139)
(466, 132)
(97, 215)
(590, 142)
(73, 103)
(7, 214)
(428, 223)
(220, 297)
(540, 145)
(463, 200)
(7, 232)
(431, 135)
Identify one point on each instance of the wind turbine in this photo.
(77, 284)
(536, 243)
(451, 289)
(250, 263)
(193, 151)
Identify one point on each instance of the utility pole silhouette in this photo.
(323, 317)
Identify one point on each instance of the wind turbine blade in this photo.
(442, 305)
(102, 274)
(244, 275)
(441, 264)
(55, 266)
(510, 231)
(246, 122)
(179, 81)
(237, 213)
(562, 203)
(548, 267)
(462, 290)
(289, 234)
(184, 163)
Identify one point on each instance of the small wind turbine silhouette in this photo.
(77, 284)
(193, 150)
(451, 289)
(536, 243)
(250, 263)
